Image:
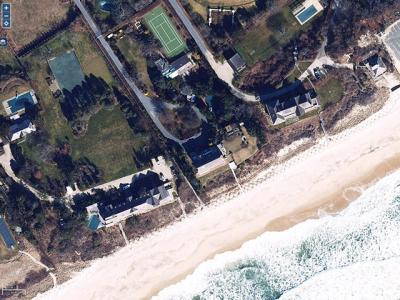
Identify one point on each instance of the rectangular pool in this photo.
(6, 234)
(306, 14)
(20, 102)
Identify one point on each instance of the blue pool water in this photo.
(18, 103)
(6, 234)
(306, 14)
(94, 222)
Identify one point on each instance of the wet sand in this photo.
(323, 179)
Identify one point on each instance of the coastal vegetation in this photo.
(89, 140)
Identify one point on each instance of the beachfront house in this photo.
(283, 108)
(208, 160)
(20, 128)
(147, 190)
(375, 65)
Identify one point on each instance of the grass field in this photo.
(133, 54)
(161, 26)
(7, 58)
(109, 143)
(31, 17)
(267, 36)
(109, 140)
(330, 92)
(5, 253)
(295, 74)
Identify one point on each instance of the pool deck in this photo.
(306, 5)
(8, 109)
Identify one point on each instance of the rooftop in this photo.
(237, 63)
(145, 188)
(201, 158)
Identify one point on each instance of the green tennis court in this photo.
(161, 26)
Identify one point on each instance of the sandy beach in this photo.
(323, 179)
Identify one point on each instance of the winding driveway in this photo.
(223, 70)
(148, 103)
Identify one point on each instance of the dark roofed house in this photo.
(237, 63)
(181, 66)
(285, 108)
(178, 67)
(20, 128)
(376, 65)
(208, 160)
(145, 191)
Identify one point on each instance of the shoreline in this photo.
(326, 176)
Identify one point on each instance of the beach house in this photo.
(208, 160)
(375, 65)
(147, 189)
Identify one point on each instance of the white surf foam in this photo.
(275, 262)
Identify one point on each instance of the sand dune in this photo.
(321, 179)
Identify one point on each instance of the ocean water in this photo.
(354, 254)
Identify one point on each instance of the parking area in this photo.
(392, 42)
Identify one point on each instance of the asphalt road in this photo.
(223, 70)
(147, 102)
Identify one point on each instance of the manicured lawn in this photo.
(109, 141)
(330, 92)
(109, 144)
(270, 34)
(133, 54)
(303, 65)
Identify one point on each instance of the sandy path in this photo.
(321, 177)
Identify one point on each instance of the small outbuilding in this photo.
(237, 63)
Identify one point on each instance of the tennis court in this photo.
(161, 26)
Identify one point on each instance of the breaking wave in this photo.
(307, 261)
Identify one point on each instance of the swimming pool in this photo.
(20, 102)
(6, 234)
(306, 14)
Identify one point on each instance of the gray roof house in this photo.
(144, 192)
(376, 65)
(237, 63)
(178, 67)
(282, 109)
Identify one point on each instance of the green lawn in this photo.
(303, 66)
(109, 144)
(133, 54)
(109, 141)
(330, 92)
(89, 57)
(262, 41)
